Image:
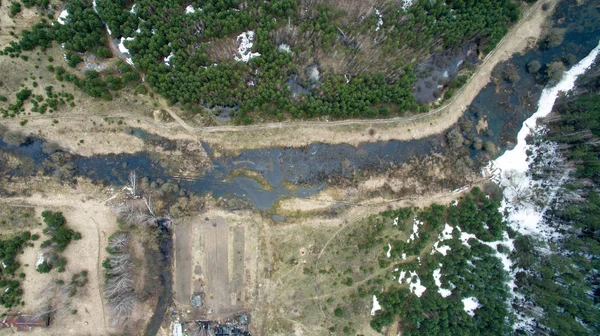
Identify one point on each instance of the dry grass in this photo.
(223, 49)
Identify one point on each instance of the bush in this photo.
(533, 67)
(338, 312)
(73, 59)
(555, 71)
(103, 52)
(44, 267)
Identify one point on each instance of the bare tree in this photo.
(118, 288)
(133, 183)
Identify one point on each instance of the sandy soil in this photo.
(95, 222)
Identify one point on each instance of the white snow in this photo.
(389, 251)
(436, 277)
(402, 275)
(513, 165)
(167, 60)
(133, 9)
(441, 249)
(446, 234)
(3, 264)
(124, 49)
(376, 305)
(284, 48)
(245, 53)
(62, 17)
(403, 256)
(465, 236)
(40, 259)
(190, 9)
(415, 287)
(406, 4)
(415, 233)
(470, 304)
(177, 329)
(395, 219)
(379, 19)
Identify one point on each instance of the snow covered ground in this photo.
(124, 49)
(406, 4)
(167, 60)
(511, 171)
(245, 53)
(415, 231)
(379, 19)
(62, 17)
(437, 275)
(512, 167)
(376, 306)
(470, 304)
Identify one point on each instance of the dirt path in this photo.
(299, 133)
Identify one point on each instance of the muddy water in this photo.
(439, 70)
(306, 169)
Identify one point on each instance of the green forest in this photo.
(470, 268)
(201, 74)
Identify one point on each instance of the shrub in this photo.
(44, 267)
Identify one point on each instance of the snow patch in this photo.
(446, 234)
(177, 329)
(40, 259)
(401, 276)
(124, 49)
(62, 17)
(284, 48)
(415, 233)
(191, 10)
(465, 236)
(470, 304)
(133, 9)
(167, 60)
(415, 287)
(441, 249)
(389, 251)
(406, 4)
(376, 305)
(244, 53)
(395, 219)
(379, 19)
(437, 275)
(403, 256)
